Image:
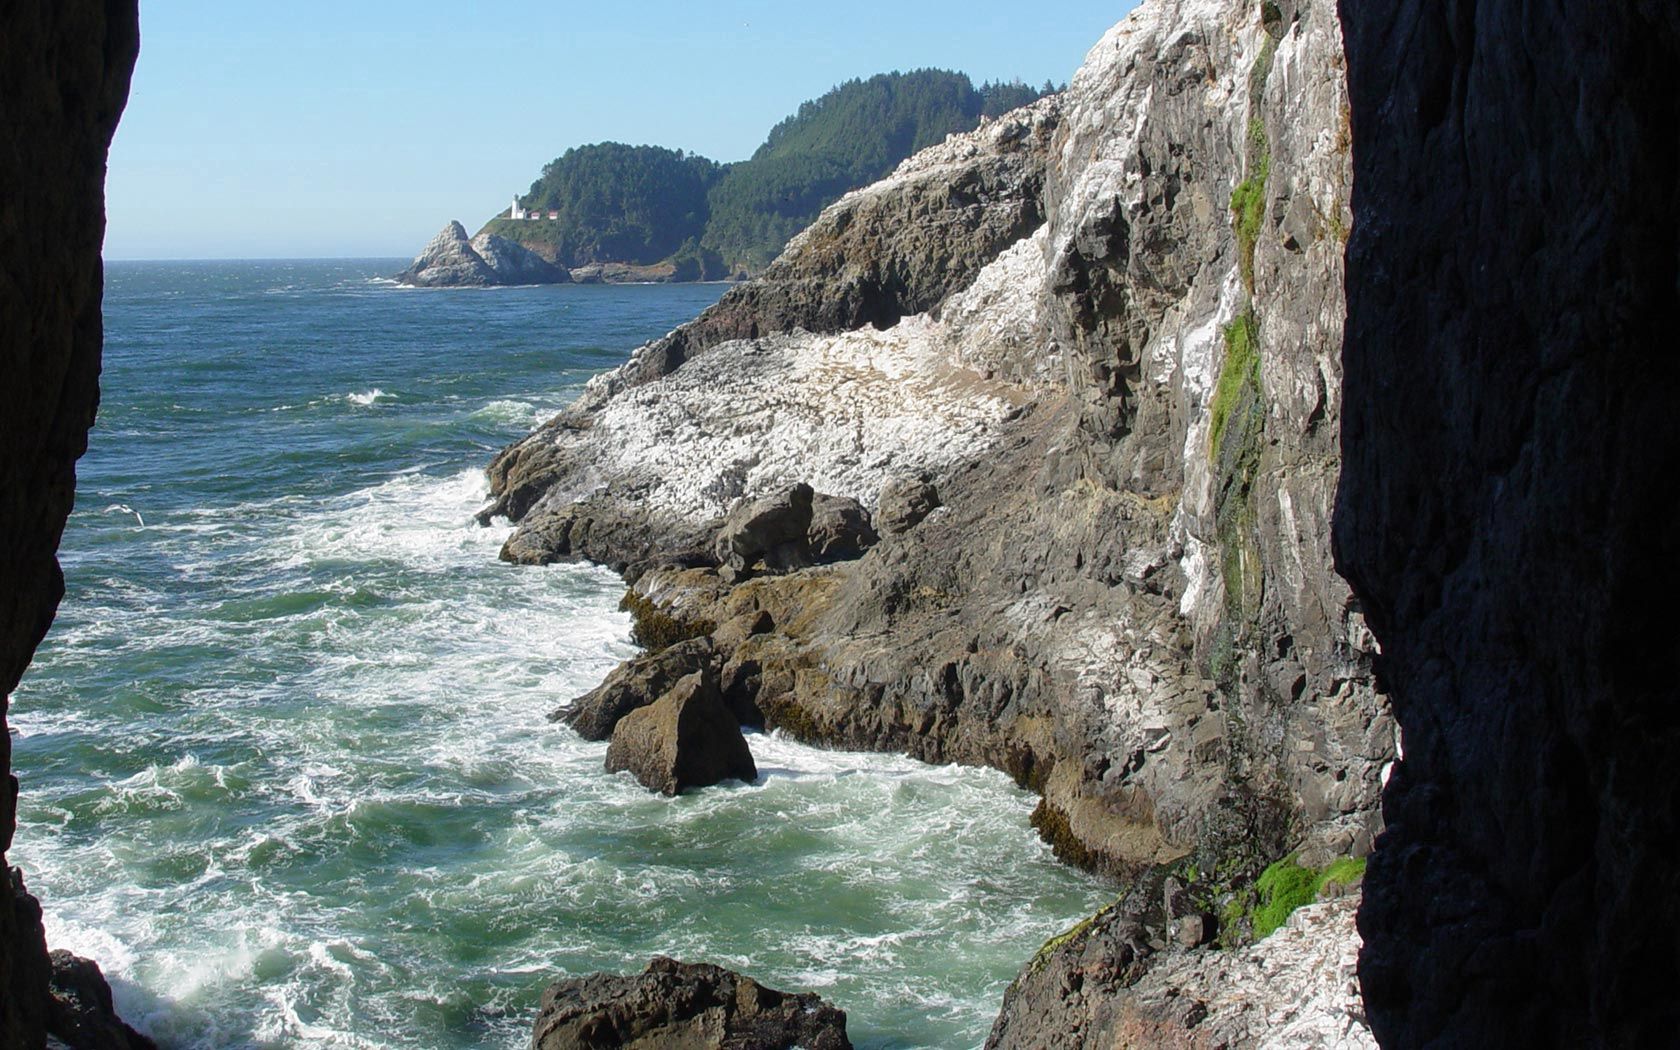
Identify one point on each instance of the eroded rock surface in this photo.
(1508, 511)
(689, 1005)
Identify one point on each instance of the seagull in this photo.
(126, 509)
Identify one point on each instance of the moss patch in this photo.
(1241, 368)
(1053, 826)
(1283, 887)
(654, 628)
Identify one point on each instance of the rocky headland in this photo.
(454, 260)
(1079, 372)
(1115, 581)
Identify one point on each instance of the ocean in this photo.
(286, 771)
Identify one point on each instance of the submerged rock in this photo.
(692, 1006)
(687, 738)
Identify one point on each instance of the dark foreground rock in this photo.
(82, 1015)
(683, 1006)
(64, 76)
(1508, 513)
(687, 738)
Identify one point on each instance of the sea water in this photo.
(286, 771)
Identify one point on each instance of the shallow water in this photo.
(285, 766)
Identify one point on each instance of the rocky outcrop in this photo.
(689, 1005)
(1507, 514)
(635, 683)
(1105, 985)
(772, 529)
(81, 1015)
(1127, 420)
(513, 263)
(452, 260)
(687, 738)
(64, 73)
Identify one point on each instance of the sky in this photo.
(358, 128)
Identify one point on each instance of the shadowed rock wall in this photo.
(64, 73)
(1508, 513)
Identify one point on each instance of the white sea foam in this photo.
(368, 397)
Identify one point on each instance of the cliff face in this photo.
(1125, 395)
(64, 73)
(1508, 512)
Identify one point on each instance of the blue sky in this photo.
(359, 127)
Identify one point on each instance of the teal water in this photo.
(284, 760)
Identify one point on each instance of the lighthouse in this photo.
(516, 212)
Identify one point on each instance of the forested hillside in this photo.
(648, 206)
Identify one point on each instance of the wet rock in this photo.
(81, 1015)
(634, 684)
(904, 503)
(841, 528)
(687, 738)
(693, 1006)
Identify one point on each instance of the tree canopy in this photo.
(646, 204)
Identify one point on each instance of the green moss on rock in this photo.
(654, 628)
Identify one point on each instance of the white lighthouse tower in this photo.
(516, 212)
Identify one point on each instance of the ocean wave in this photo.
(368, 397)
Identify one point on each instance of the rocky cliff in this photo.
(1104, 334)
(1508, 509)
(453, 260)
(64, 75)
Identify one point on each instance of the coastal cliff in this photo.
(1102, 336)
(1507, 514)
(64, 73)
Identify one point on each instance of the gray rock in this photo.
(691, 1006)
(687, 738)
(448, 261)
(514, 263)
(452, 260)
(841, 529)
(904, 503)
(771, 530)
(634, 684)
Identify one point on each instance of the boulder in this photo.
(772, 529)
(513, 263)
(80, 1014)
(840, 530)
(904, 503)
(688, 1005)
(635, 684)
(449, 261)
(687, 738)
